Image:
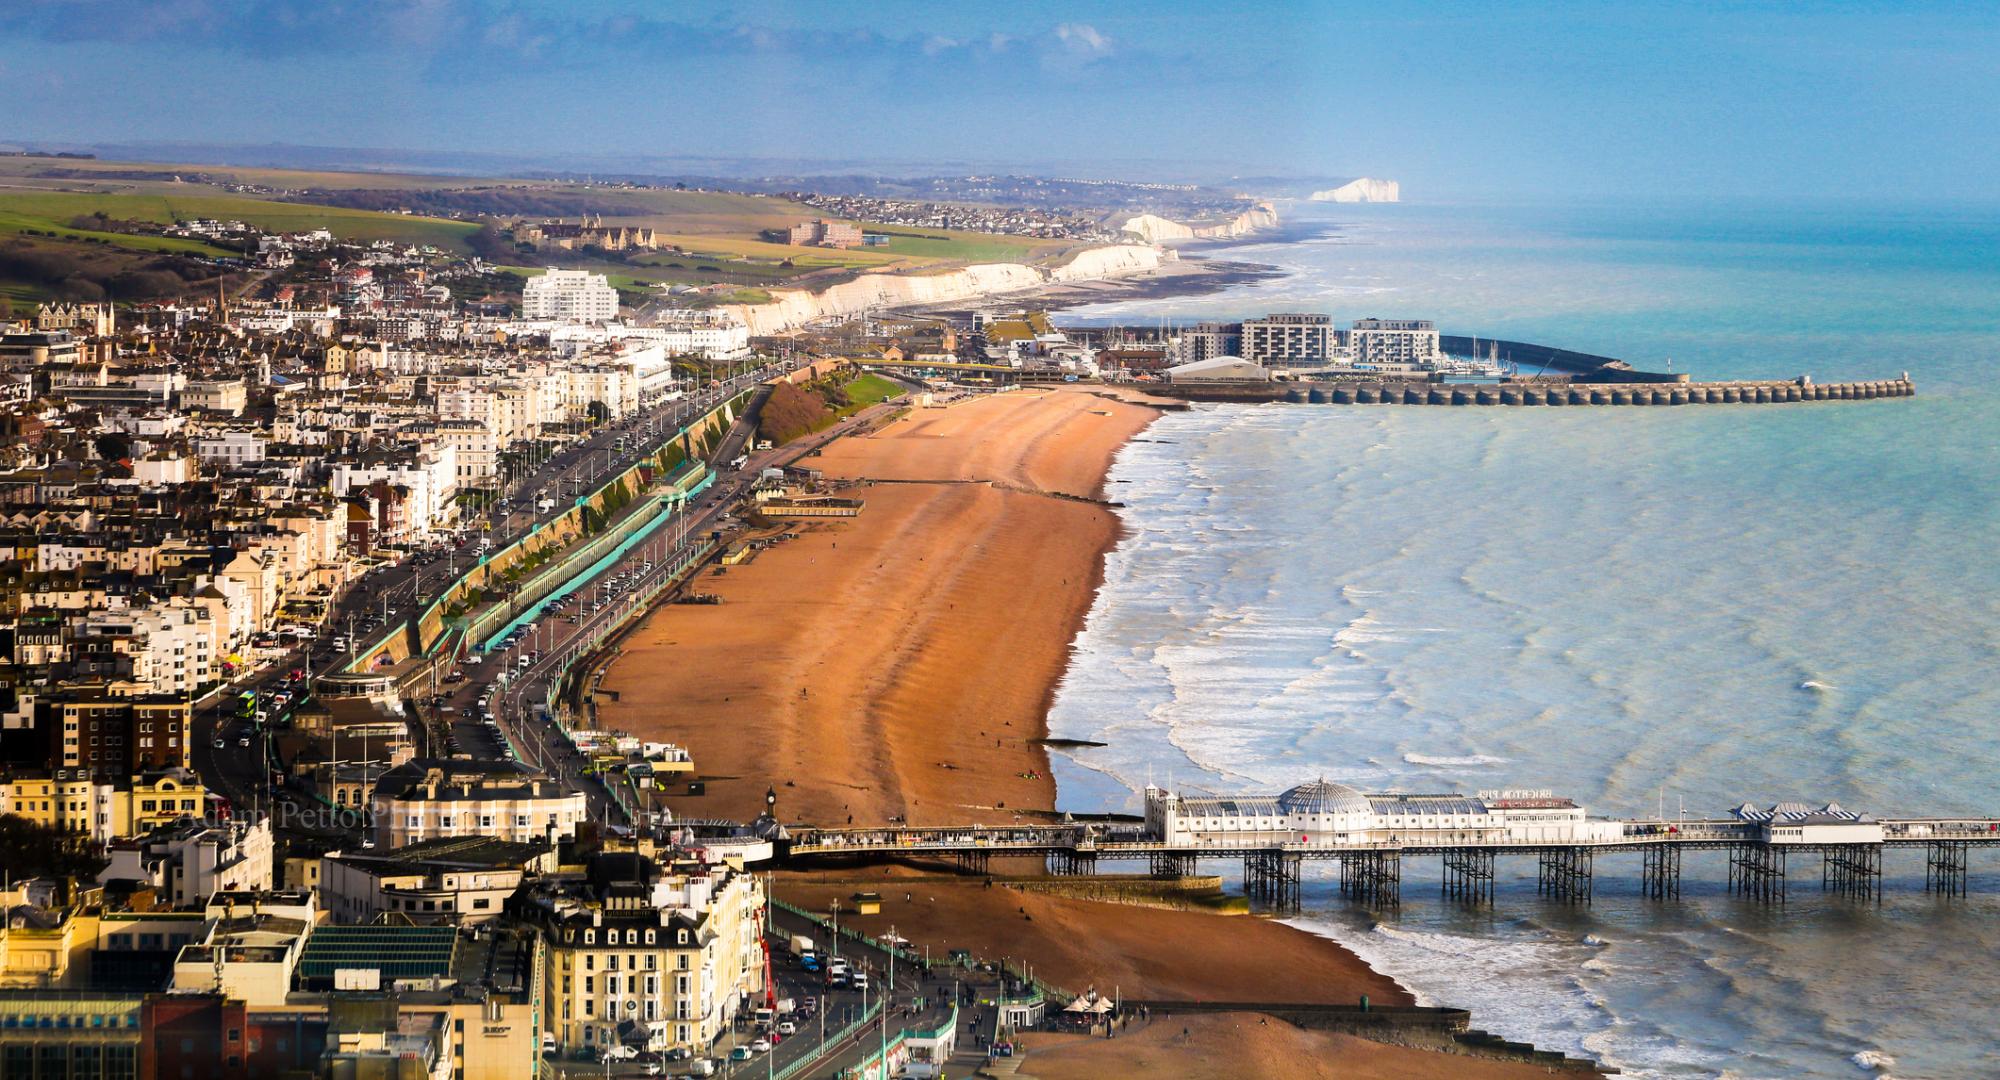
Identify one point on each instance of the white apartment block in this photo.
(476, 447)
(569, 296)
(225, 450)
(1289, 340)
(428, 800)
(171, 649)
(614, 386)
(428, 474)
(190, 861)
(1395, 341)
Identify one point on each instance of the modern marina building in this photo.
(1325, 814)
(1395, 343)
(1292, 340)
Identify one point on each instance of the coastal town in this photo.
(365, 603)
(325, 596)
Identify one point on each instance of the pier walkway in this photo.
(1371, 871)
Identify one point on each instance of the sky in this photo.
(1453, 99)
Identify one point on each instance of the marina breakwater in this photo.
(1556, 393)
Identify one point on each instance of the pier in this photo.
(1537, 392)
(1370, 839)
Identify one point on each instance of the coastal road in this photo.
(230, 754)
(556, 641)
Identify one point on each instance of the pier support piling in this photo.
(1852, 870)
(1944, 867)
(1757, 871)
(1271, 878)
(1468, 875)
(973, 862)
(1661, 877)
(1169, 865)
(1565, 874)
(1374, 878)
(1073, 863)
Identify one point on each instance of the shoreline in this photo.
(883, 630)
(918, 604)
(1198, 270)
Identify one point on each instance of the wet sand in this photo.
(1139, 952)
(898, 664)
(1244, 1046)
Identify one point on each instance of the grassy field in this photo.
(58, 208)
(962, 246)
(868, 390)
(13, 223)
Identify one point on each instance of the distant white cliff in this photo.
(1154, 229)
(1362, 190)
(792, 308)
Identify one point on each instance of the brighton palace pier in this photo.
(1369, 837)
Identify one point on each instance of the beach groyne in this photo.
(1549, 393)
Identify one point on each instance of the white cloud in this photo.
(1082, 39)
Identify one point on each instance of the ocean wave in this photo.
(1814, 684)
(1465, 761)
(1873, 1060)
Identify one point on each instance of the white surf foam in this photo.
(1465, 761)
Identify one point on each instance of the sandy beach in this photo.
(897, 664)
(1077, 944)
(1245, 1046)
(901, 664)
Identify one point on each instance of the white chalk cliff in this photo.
(793, 308)
(1154, 229)
(1362, 190)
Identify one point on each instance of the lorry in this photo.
(802, 946)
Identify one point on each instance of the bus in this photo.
(246, 704)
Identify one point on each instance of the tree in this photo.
(597, 412)
(31, 850)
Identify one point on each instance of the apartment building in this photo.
(569, 296)
(452, 881)
(1290, 340)
(411, 489)
(432, 798)
(1205, 341)
(1379, 342)
(188, 861)
(823, 233)
(666, 951)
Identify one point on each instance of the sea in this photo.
(1650, 610)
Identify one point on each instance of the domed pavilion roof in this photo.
(1324, 797)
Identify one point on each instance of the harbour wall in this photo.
(1539, 393)
(1532, 358)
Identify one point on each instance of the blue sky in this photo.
(1453, 99)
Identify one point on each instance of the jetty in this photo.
(1369, 838)
(1543, 391)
